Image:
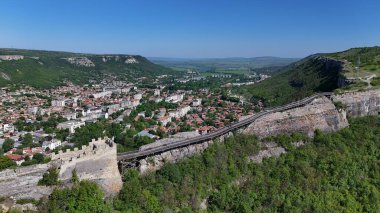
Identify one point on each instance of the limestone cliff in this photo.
(320, 114)
(360, 103)
(22, 182)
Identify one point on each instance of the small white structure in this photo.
(8, 128)
(102, 94)
(71, 125)
(174, 98)
(58, 103)
(51, 144)
(196, 102)
(138, 96)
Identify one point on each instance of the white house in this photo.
(102, 94)
(71, 125)
(8, 128)
(51, 144)
(196, 102)
(183, 111)
(58, 103)
(138, 96)
(164, 120)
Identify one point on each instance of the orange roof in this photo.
(15, 157)
(164, 118)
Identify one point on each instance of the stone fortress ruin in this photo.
(96, 162)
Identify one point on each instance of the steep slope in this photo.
(315, 73)
(51, 68)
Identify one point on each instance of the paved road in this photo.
(202, 138)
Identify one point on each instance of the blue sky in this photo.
(191, 28)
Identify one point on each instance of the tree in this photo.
(6, 162)
(38, 157)
(74, 177)
(84, 197)
(50, 178)
(27, 140)
(8, 144)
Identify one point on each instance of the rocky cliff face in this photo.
(22, 182)
(320, 114)
(80, 61)
(360, 103)
(155, 162)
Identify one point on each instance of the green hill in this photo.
(369, 58)
(50, 68)
(316, 73)
(296, 81)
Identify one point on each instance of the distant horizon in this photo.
(180, 58)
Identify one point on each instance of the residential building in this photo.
(71, 125)
(51, 144)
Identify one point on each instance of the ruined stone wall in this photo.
(359, 104)
(320, 114)
(96, 162)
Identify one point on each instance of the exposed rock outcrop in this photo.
(320, 114)
(131, 60)
(11, 57)
(155, 162)
(22, 182)
(360, 103)
(80, 61)
(270, 149)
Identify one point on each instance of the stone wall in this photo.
(360, 103)
(320, 114)
(96, 162)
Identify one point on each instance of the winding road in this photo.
(138, 154)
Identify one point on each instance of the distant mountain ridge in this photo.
(206, 64)
(41, 68)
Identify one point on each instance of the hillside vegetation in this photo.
(316, 73)
(50, 68)
(335, 172)
(369, 58)
(295, 82)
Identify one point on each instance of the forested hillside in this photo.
(50, 68)
(295, 82)
(337, 172)
(316, 73)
